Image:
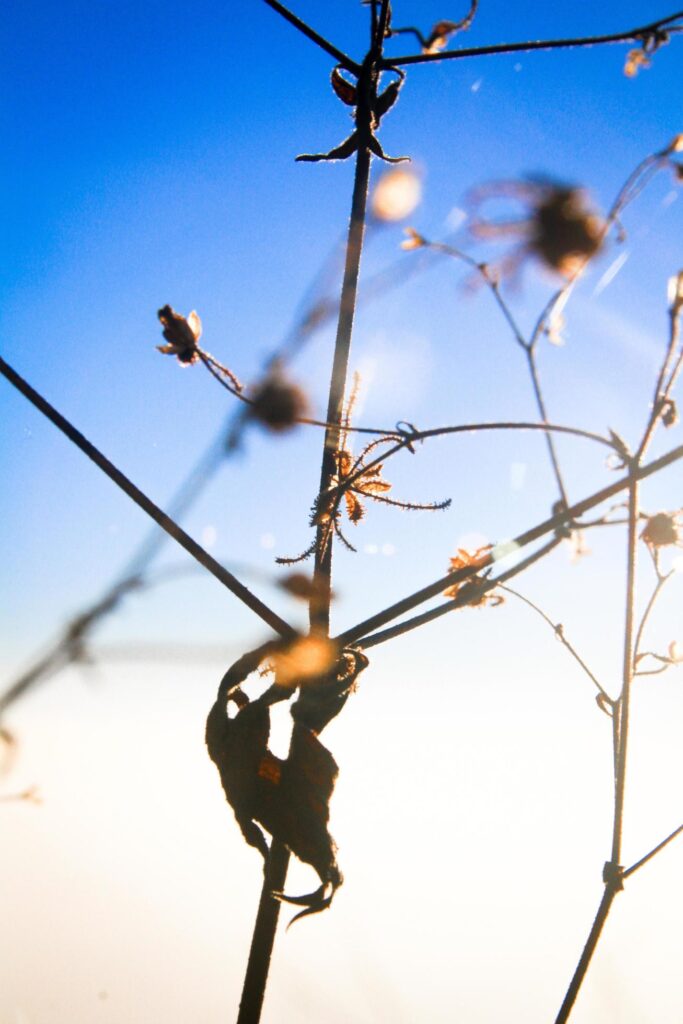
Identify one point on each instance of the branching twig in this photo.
(635, 34)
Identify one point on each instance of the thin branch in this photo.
(558, 630)
(324, 44)
(267, 916)
(556, 522)
(648, 856)
(148, 506)
(634, 34)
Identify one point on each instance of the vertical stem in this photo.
(268, 912)
(612, 876)
(624, 703)
(254, 988)
(320, 606)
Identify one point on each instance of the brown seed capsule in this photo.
(277, 403)
(564, 232)
(661, 530)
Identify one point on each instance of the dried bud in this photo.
(676, 144)
(181, 334)
(669, 413)
(396, 195)
(661, 530)
(277, 403)
(413, 241)
(635, 60)
(675, 292)
(675, 652)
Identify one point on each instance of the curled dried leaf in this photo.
(345, 90)
(289, 798)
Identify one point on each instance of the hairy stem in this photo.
(267, 916)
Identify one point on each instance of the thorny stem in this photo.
(267, 916)
(544, 44)
(148, 506)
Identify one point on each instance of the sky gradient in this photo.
(150, 160)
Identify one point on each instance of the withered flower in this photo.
(181, 333)
(472, 588)
(277, 403)
(560, 229)
(662, 530)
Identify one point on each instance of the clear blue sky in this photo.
(149, 159)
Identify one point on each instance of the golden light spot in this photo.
(396, 195)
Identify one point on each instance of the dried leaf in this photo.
(346, 91)
(288, 797)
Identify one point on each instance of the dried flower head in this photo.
(277, 403)
(560, 229)
(396, 195)
(181, 333)
(474, 587)
(354, 480)
(662, 530)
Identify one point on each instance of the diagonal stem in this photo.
(555, 522)
(538, 44)
(267, 916)
(314, 36)
(147, 505)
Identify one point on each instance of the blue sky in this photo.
(150, 160)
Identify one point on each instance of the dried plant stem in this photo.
(648, 856)
(613, 873)
(268, 912)
(555, 522)
(148, 506)
(542, 44)
(314, 36)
